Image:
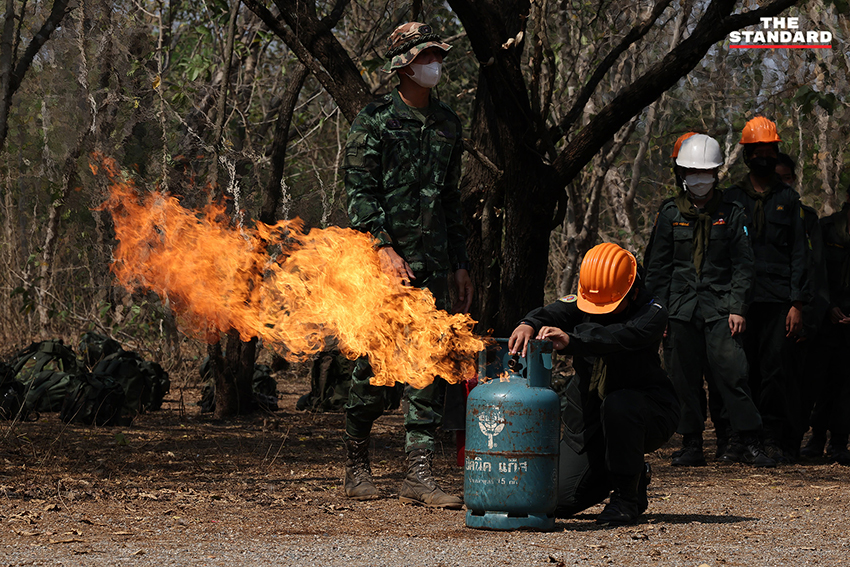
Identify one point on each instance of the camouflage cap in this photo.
(409, 40)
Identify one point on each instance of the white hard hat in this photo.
(700, 152)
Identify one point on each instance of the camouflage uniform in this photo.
(401, 176)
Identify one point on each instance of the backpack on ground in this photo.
(125, 368)
(46, 391)
(264, 388)
(160, 385)
(94, 347)
(93, 400)
(45, 355)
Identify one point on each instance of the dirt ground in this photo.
(178, 488)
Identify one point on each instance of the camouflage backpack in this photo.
(46, 355)
(46, 391)
(93, 400)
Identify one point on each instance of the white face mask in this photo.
(699, 184)
(426, 76)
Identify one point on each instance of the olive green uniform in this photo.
(699, 302)
(778, 238)
(402, 174)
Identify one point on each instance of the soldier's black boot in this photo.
(419, 486)
(643, 484)
(723, 434)
(622, 508)
(691, 454)
(746, 448)
(814, 448)
(358, 482)
(837, 450)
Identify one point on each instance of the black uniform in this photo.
(778, 239)
(621, 404)
(832, 407)
(810, 360)
(700, 302)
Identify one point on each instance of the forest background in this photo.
(570, 110)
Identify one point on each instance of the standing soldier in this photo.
(809, 368)
(832, 405)
(700, 265)
(402, 173)
(775, 317)
(713, 405)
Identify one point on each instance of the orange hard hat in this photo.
(606, 276)
(759, 130)
(678, 144)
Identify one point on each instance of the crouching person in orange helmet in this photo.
(621, 404)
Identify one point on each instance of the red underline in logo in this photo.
(762, 46)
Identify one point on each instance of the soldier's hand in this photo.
(395, 266)
(793, 321)
(463, 284)
(519, 338)
(737, 324)
(837, 316)
(559, 338)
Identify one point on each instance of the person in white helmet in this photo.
(699, 264)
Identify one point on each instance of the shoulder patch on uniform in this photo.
(568, 298)
(393, 124)
(718, 222)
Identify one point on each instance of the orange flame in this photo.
(323, 283)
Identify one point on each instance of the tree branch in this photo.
(634, 34)
(318, 49)
(60, 9)
(715, 24)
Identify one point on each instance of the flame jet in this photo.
(321, 283)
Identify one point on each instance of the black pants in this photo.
(770, 355)
(634, 422)
(696, 345)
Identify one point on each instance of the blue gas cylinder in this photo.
(512, 438)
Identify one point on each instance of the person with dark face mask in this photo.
(775, 317)
(699, 264)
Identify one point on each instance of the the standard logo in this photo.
(780, 33)
(491, 424)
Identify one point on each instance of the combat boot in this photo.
(691, 454)
(622, 508)
(643, 484)
(837, 449)
(814, 448)
(419, 486)
(773, 450)
(747, 449)
(358, 482)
